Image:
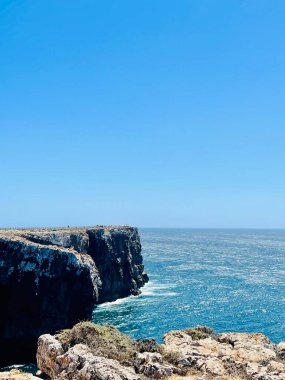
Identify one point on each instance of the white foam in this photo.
(169, 294)
(155, 289)
(149, 290)
(119, 301)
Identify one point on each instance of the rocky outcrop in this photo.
(17, 375)
(52, 278)
(227, 355)
(95, 352)
(92, 352)
(78, 363)
(117, 254)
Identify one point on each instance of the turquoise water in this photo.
(231, 280)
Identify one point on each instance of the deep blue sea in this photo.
(231, 280)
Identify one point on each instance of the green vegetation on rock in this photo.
(103, 340)
(199, 332)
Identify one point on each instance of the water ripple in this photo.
(227, 279)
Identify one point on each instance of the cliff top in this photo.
(74, 239)
(64, 229)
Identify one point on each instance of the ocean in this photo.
(230, 280)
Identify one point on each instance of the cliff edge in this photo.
(52, 278)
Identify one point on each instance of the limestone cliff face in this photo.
(117, 254)
(52, 278)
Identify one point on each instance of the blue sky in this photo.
(147, 112)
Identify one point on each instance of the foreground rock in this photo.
(90, 351)
(51, 278)
(228, 355)
(93, 352)
(17, 375)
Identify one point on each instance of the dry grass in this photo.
(169, 356)
(199, 332)
(103, 340)
(109, 342)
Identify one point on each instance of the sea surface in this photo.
(230, 280)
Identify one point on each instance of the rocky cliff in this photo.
(93, 352)
(52, 278)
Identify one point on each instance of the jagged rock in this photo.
(87, 352)
(183, 362)
(117, 254)
(229, 355)
(281, 349)
(96, 352)
(17, 375)
(147, 345)
(151, 364)
(78, 363)
(52, 278)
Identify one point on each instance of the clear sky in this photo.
(143, 112)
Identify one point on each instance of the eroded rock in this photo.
(52, 278)
(17, 375)
(78, 362)
(229, 355)
(151, 364)
(90, 351)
